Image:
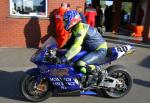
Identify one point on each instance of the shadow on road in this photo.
(142, 82)
(145, 62)
(9, 85)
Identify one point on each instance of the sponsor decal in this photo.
(63, 83)
(59, 72)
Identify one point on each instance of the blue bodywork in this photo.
(62, 76)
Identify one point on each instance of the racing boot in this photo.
(92, 76)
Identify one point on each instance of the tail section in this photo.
(123, 50)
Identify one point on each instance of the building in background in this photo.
(137, 10)
(27, 23)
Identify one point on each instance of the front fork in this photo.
(39, 79)
(40, 85)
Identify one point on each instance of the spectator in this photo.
(99, 16)
(90, 14)
(62, 34)
(108, 17)
(140, 16)
(80, 10)
(68, 7)
(123, 13)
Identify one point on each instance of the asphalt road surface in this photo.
(14, 61)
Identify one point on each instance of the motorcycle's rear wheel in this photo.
(119, 72)
(33, 92)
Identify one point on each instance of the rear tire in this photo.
(31, 93)
(124, 76)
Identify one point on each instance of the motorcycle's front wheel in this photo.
(35, 92)
(118, 72)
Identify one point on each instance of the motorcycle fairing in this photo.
(64, 76)
(123, 50)
(114, 53)
(61, 76)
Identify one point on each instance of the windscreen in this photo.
(50, 42)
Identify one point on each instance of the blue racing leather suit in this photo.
(89, 39)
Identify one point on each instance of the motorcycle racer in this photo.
(55, 77)
(87, 38)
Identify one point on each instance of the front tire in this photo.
(30, 91)
(119, 72)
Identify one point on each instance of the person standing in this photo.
(62, 34)
(80, 11)
(99, 16)
(90, 14)
(140, 16)
(68, 7)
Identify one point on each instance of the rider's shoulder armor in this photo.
(93, 39)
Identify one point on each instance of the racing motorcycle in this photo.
(51, 78)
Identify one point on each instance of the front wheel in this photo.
(35, 92)
(118, 72)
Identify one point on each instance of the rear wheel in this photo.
(119, 72)
(33, 91)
